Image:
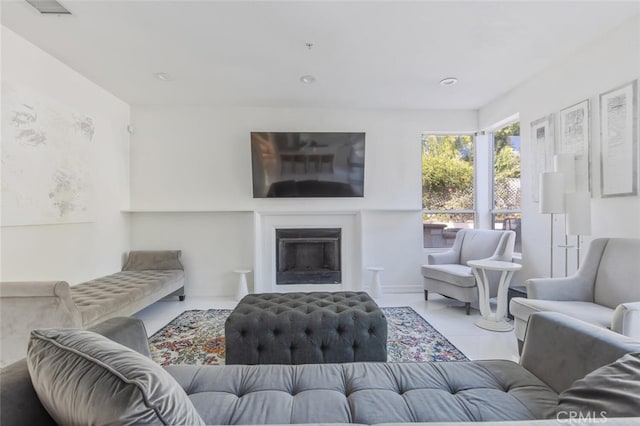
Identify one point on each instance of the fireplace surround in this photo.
(267, 223)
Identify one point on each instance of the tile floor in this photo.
(446, 315)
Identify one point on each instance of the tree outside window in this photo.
(447, 187)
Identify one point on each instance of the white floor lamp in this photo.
(578, 206)
(551, 202)
(565, 163)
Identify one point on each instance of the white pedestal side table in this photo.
(375, 288)
(493, 321)
(243, 288)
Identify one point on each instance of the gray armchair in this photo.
(605, 291)
(447, 273)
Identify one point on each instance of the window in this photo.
(506, 180)
(447, 187)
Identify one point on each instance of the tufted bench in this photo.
(306, 328)
(147, 277)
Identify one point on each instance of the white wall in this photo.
(604, 65)
(71, 252)
(199, 158)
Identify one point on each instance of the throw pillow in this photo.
(83, 378)
(610, 391)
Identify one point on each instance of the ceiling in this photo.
(366, 54)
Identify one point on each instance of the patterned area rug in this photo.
(197, 337)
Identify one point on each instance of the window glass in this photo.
(506, 180)
(447, 187)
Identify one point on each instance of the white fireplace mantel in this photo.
(265, 225)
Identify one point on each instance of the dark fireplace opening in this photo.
(308, 256)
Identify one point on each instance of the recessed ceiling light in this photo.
(163, 76)
(307, 79)
(49, 7)
(449, 81)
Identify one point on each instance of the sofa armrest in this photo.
(626, 320)
(128, 331)
(560, 350)
(441, 258)
(570, 288)
(146, 260)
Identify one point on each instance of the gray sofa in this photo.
(104, 382)
(605, 291)
(146, 277)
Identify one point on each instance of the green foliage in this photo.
(447, 172)
(507, 163)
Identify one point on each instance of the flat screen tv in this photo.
(299, 164)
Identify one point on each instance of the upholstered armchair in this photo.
(447, 273)
(605, 290)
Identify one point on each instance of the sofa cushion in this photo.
(147, 260)
(586, 311)
(609, 391)
(84, 378)
(367, 393)
(459, 275)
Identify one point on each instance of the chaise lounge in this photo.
(146, 277)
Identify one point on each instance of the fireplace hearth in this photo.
(308, 256)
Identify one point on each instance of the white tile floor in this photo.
(446, 315)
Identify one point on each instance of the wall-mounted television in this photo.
(307, 164)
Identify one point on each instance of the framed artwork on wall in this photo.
(619, 141)
(47, 160)
(575, 138)
(542, 140)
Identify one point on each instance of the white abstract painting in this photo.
(46, 160)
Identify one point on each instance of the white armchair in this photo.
(605, 290)
(447, 273)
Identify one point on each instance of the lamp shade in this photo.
(551, 192)
(578, 206)
(566, 164)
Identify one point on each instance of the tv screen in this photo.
(298, 164)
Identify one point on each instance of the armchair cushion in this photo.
(617, 278)
(460, 275)
(590, 312)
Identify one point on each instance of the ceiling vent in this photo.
(49, 7)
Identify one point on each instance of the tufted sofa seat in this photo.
(305, 328)
(146, 277)
(366, 393)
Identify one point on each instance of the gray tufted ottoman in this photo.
(306, 328)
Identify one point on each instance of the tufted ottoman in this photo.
(306, 328)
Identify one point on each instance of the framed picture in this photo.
(619, 141)
(575, 137)
(542, 142)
